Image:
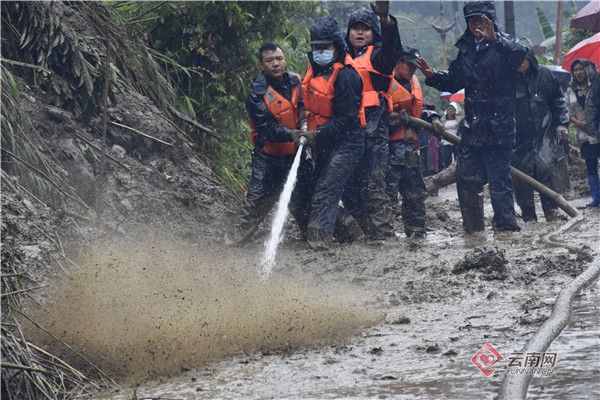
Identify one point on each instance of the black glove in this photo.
(438, 128)
(309, 136)
(399, 118)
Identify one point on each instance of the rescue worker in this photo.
(486, 67)
(276, 113)
(375, 51)
(332, 93)
(541, 128)
(403, 170)
(592, 123)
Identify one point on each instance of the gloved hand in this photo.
(308, 135)
(382, 9)
(438, 127)
(399, 118)
(562, 133)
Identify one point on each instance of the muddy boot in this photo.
(528, 215)
(471, 208)
(347, 228)
(551, 210)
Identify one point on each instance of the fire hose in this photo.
(558, 199)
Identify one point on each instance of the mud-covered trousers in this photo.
(334, 164)
(404, 176)
(365, 197)
(476, 166)
(269, 174)
(526, 160)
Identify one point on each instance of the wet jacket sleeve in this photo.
(346, 105)
(384, 58)
(557, 104)
(592, 109)
(264, 122)
(450, 80)
(513, 52)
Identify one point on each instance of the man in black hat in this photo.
(374, 44)
(486, 67)
(403, 171)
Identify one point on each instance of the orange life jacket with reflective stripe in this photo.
(286, 113)
(370, 95)
(318, 93)
(411, 102)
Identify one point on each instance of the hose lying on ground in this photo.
(515, 386)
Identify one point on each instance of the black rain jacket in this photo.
(264, 122)
(489, 76)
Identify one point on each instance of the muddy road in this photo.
(170, 319)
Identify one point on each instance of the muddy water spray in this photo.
(145, 307)
(268, 260)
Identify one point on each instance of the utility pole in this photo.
(443, 30)
(559, 28)
(509, 17)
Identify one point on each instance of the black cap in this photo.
(325, 30)
(477, 7)
(409, 54)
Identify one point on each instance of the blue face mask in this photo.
(323, 57)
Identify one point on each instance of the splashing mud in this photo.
(152, 308)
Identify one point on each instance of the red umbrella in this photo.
(588, 49)
(458, 96)
(588, 17)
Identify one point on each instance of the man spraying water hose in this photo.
(276, 114)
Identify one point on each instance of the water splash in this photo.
(268, 260)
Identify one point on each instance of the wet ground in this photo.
(400, 320)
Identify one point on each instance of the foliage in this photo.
(23, 149)
(71, 75)
(211, 48)
(544, 23)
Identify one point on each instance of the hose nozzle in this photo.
(303, 141)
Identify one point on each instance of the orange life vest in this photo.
(370, 95)
(318, 93)
(286, 113)
(411, 102)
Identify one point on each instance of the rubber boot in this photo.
(347, 228)
(551, 210)
(524, 197)
(594, 181)
(471, 208)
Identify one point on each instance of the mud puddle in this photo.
(400, 320)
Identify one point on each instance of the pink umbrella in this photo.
(588, 17)
(588, 49)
